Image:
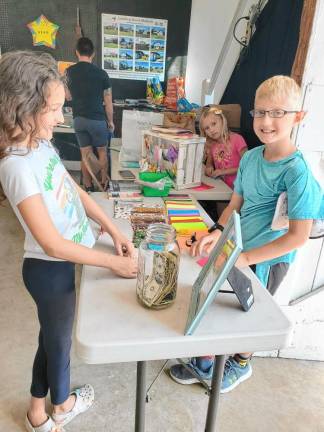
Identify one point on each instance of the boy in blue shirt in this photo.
(264, 173)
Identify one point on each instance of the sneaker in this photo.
(48, 426)
(84, 398)
(182, 375)
(234, 374)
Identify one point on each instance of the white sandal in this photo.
(48, 426)
(84, 397)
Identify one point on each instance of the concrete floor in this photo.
(282, 395)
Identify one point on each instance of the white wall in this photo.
(300, 294)
(210, 21)
(209, 24)
(309, 138)
(306, 276)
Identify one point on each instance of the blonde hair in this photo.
(217, 112)
(280, 87)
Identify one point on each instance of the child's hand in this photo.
(125, 267)
(209, 171)
(217, 173)
(205, 244)
(123, 246)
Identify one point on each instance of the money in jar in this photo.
(158, 267)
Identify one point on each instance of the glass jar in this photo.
(158, 266)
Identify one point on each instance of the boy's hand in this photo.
(125, 267)
(205, 244)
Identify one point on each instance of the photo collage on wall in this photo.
(133, 47)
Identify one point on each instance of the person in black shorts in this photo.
(89, 89)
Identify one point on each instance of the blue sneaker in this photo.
(182, 375)
(234, 374)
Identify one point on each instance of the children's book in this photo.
(172, 130)
(124, 189)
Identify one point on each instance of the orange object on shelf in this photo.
(175, 91)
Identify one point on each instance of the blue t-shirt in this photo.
(260, 183)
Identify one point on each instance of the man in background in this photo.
(89, 89)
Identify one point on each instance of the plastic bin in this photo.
(153, 177)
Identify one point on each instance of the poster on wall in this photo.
(133, 47)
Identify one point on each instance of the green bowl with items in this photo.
(152, 177)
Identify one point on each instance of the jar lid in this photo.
(160, 232)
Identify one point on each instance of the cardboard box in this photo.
(180, 156)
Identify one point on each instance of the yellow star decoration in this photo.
(43, 31)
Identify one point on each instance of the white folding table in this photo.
(113, 327)
(219, 190)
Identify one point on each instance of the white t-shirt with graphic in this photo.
(40, 171)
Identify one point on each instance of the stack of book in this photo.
(124, 189)
(174, 131)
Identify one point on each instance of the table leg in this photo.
(140, 397)
(214, 393)
(109, 160)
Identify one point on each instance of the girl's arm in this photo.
(36, 217)
(224, 171)
(95, 212)
(209, 169)
(297, 235)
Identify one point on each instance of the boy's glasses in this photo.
(277, 113)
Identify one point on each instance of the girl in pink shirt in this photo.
(224, 149)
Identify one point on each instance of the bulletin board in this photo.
(16, 14)
(133, 47)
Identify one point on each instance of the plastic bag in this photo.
(154, 92)
(133, 123)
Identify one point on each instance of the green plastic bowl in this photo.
(153, 177)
